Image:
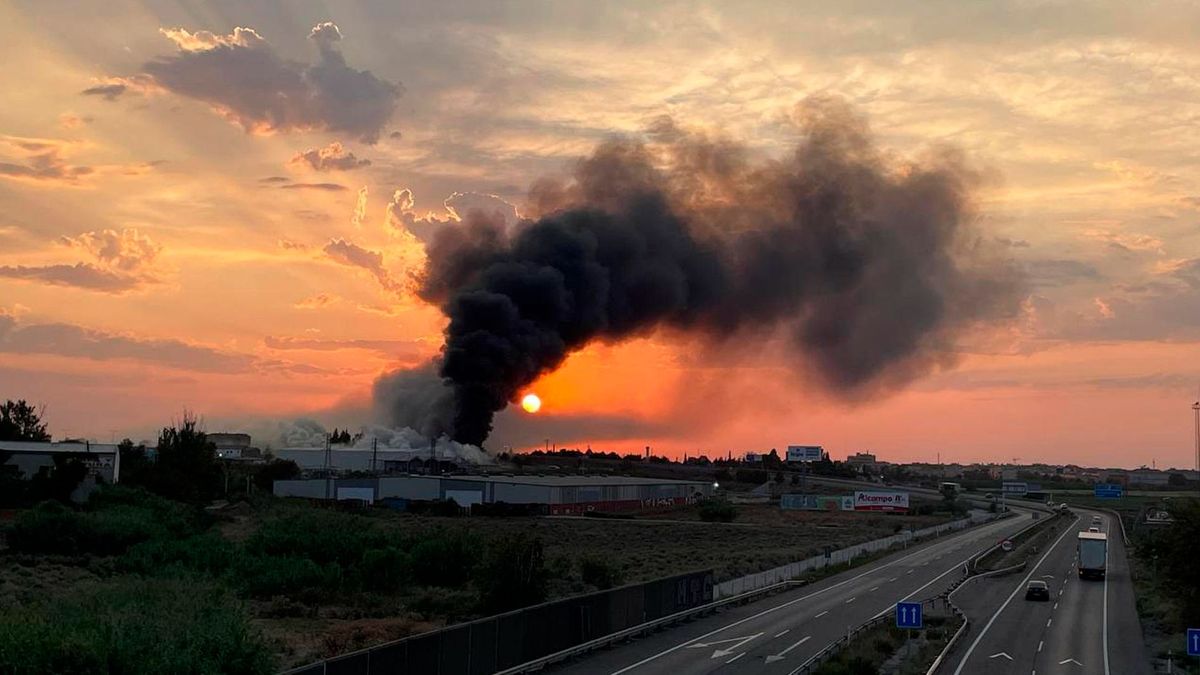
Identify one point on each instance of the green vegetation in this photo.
(717, 511)
(1167, 579)
(131, 626)
(873, 647)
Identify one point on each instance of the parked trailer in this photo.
(1093, 554)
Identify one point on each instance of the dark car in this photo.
(1037, 590)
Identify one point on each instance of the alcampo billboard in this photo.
(880, 501)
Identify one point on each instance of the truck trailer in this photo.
(1093, 554)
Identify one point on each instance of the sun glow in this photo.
(531, 403)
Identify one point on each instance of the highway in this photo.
(777, 634)
(1088, 627)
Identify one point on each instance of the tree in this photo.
(184, 467)
(513, 573)
(20, 421)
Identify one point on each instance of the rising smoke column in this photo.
(868, 268)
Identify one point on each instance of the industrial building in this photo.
(233, 446)
(561, 495)
(103, 461)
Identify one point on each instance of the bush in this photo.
(513, 574)
(384, 569)
(209, 554)
(443, 560)
(133, 627)
(717, 510)
(50, 527)
(599, 572)
(320, 535)
(267, 576)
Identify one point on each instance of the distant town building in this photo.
(1149, 477)
(103, 461)
(233, 445)
(863, 461)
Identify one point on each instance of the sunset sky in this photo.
(219, 206)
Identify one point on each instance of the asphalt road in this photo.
(1088, 627)
(778, 634)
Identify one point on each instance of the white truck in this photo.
(1093, 554)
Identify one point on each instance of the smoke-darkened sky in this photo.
(224, 206)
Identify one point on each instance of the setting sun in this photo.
(531, 403)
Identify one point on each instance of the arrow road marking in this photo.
(995, 656)
(779, 657)
(1065, 661)
(739, 641)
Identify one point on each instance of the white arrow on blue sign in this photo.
(908, 615)
(1193, 637)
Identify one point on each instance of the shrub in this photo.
(599, 572)
(513, 574)
(208, 554)
(384, 569)
(320, 535)
(266, 576)
(133, 627)
(717, 510)
(443, 560)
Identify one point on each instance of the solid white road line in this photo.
(979, 638)
(821, 614)
(1106, 548)
(782, 632)
(736, 657)
(956, 541)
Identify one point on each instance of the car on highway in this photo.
(1037, 590)
(1093, 529)
(1095, 520)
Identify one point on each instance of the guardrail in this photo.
(603, 641)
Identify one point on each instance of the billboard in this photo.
(805, 453)
(880, 501)
(815, 503)
(1015, 488)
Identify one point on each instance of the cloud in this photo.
(409, 350)
(42, 161)
(317, 301)
(126, 261)
(402, 218)
(1187, 271)
(69, 340)
(328, 187)
(1060, 272)
(73, 121)
(274, 180)
(1127, 242)
(332, 157)
(242, 77)
(127, 250)
(79, 275)
(352, 255)
(360, 208)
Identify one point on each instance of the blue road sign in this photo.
(1193, 641)
(908, 615)
(1108, 491)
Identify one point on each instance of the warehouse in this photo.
(29, 458)
(561, 494)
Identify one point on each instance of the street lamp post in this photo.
(1196, 414)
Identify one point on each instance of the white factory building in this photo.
(561, 494)
(103, 461)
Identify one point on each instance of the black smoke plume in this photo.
(867, 266)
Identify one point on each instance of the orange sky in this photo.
(170, 239)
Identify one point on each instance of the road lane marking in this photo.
(1048, 621)
(736, 658)
(1105, 634)
(972, 535)
(1000, 654)
(851, 600)
(821, 614)
(873, 589)
(782, 632)
(979, 638)
(909, 572)
(779, 657)
(1066, 661)
(1040, 645)
(892, 579)
(1055, 606)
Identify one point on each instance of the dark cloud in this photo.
(327, 187)
(1187, 271)
(871, 270)
(332, 157)
(242, 77)
(352, 255)
(42, 160)
(275, 179)
(79, 275)
(110, 92)
(1054, 272)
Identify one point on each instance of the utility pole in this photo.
(1196, 414)
(374, 454)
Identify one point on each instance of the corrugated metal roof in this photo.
(577, 481)
(36, 447)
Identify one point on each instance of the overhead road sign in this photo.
(1108, 491)
(1193, 637)
(908, 615)
(805, 453)
(1015, 488)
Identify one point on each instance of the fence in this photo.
(793, 570)
(494, 643)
